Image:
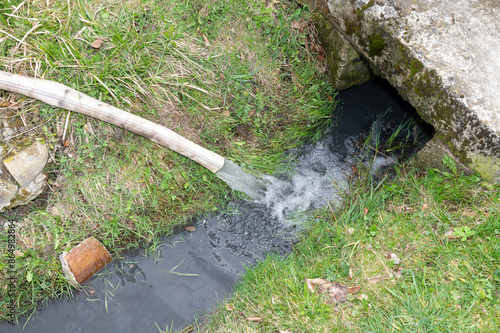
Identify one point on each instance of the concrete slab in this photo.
(443, 57)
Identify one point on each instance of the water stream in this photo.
(193, 270)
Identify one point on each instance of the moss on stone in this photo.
(376, 45)
(488, 167)
(415, 67)
(368, 5)
(351, 28)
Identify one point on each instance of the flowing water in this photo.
(193, 270)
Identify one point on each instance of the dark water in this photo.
(194, 270)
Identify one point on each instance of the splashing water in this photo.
(319, 177)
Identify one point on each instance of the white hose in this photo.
(62, 96)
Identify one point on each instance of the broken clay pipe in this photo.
(84, 260)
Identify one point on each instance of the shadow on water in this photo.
(193, 270)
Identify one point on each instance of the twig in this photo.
(65, 127)
(331, 209)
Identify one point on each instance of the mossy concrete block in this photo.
(432, 154)
(442, 56)
(346, 68)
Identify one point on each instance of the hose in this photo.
(59, 95)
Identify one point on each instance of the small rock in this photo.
(362, 296)
(27, 164)
(395, 259)
(31, 191)
(7, 193)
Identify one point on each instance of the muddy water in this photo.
(193, 270)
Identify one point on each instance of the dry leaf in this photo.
(378, 278)
(334, 291)
(229, 307)
(190, 228)
(258, 319)
(424, 207)
(207, 43)
(354, 290)
(365, 211)
(97, 43)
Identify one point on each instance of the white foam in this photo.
(318, 177)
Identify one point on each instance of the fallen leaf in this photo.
(229, 307)
(378, 278)
(258, 319)
(299, 25)
(131, 266)
(97, 43)
(207, 43)
(424, 207)
(365, 211)
(333, 290)
(190, 228)
(354, 290)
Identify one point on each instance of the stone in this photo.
(28, 193)
(27, 164)
(442, 57)
(7, 193)
(432, 154)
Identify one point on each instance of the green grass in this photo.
(250, 94)
(444, 282)
(232, 76)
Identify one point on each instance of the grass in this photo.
(424, 248)
(232, 76)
